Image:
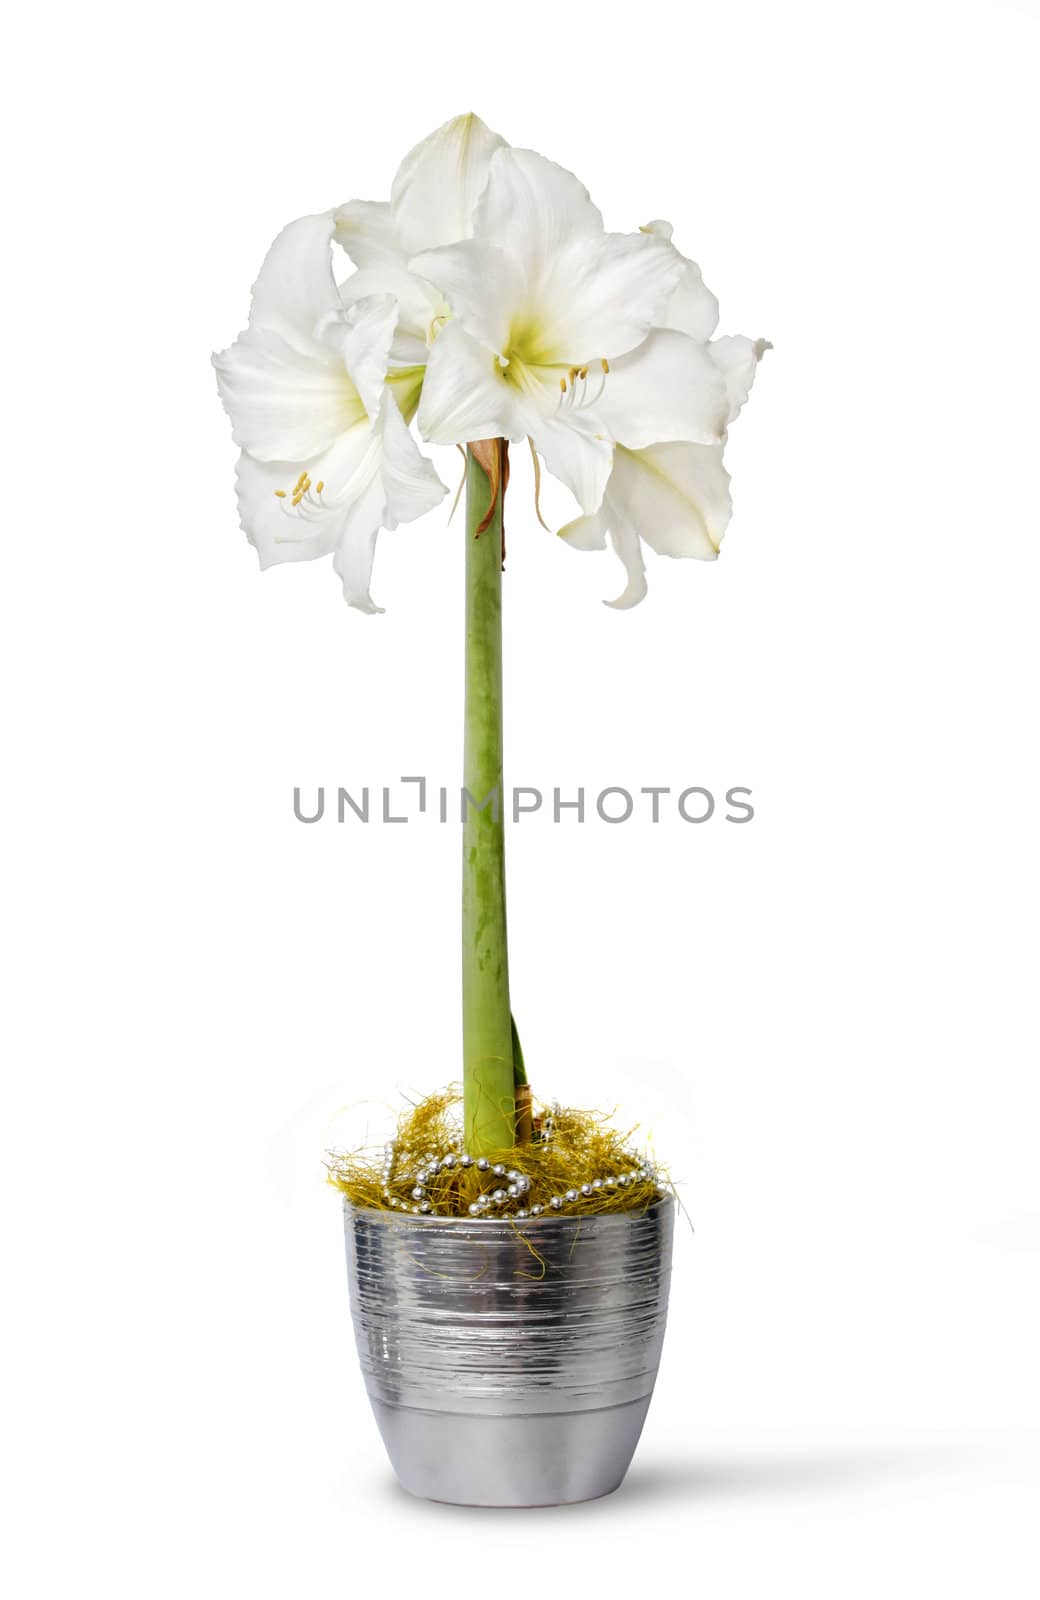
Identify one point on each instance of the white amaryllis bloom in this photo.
(327, 458)
(488, 301)
(551, 335)
(673, 495)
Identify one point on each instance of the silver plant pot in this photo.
(495, 1380)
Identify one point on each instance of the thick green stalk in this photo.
(487, 1030)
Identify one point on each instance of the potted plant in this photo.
(509, 1262)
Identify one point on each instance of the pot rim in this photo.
(513, 1224)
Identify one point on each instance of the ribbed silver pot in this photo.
(510, 1363)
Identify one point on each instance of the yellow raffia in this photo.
(569, 1148)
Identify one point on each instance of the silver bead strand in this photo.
(516, 1188)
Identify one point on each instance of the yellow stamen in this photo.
(605, 364)
(563, 385)
(280, 493)
(583, 373)
(320, 485)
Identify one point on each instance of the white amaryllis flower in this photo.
(327, 458)
(673, 495)
(488, 301)
(551, 332)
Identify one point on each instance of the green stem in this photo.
(487, 1029)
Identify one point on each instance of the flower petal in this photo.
(668, 388)
(365, 346)
(439, 183)
(587, 533)
(366, 230)
(737, 358)
(626, 546)
(579, 459)
(590, 533)
(600, 297)
(692, 309)
(531, 209)
(676, 496)
(392, 483)
(296, 290)
(410, 483)
(419, 306)
(464, 396)
(480, 283)
(284, 405)
(356, 550)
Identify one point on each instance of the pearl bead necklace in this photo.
(496, 1201)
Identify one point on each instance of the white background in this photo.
(826, 1020)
